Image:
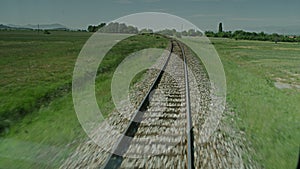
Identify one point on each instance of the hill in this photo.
(55, 26)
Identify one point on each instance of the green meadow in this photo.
(39, 127)
(269, 114)
(35, 69)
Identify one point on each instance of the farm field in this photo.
(39, 127)
(268, 113)
(36, 71)
(34, 66)
(49, 130)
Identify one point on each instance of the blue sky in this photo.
(206, 14)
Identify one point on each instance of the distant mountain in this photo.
(41, 26)
(4, 26)
(46, 26)
(12, 28)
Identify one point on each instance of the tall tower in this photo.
(220, 27)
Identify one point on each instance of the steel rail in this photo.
(115, 159)
(189, 128)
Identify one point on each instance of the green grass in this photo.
(268, 115)
(47, 134)
(137, 78)
(32, 67)
(36, 71)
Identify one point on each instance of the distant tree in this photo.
(150, 30)
(81, 30)
(209, 33)
(146, 31)
(174, 31)
(240, 34)
(101, 25)
(92, 28)
(46, 32)
(178, 34)
(122, 28)
(227, 34)
(184, 33)
(167, 32)
(132, 30)
(113, 27)
(198, 33)
(192, 32)
(119, 28)
(275, 37)
(220, 27)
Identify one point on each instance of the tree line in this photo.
(115, 27)
(243, 35)
(123, 28)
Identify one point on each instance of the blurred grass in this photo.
(33, 66)
(43, 137)
(269, 116)
(137, 77)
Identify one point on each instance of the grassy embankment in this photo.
(36, 71)
(270, 116)
(35, 66)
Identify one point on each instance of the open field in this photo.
(34, 69)
(51, 130)
(270, 116)
(35, 99)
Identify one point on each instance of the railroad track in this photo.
(160, 132)
(158, 135)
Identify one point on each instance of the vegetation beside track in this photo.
(32, 67)
(269, 115)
